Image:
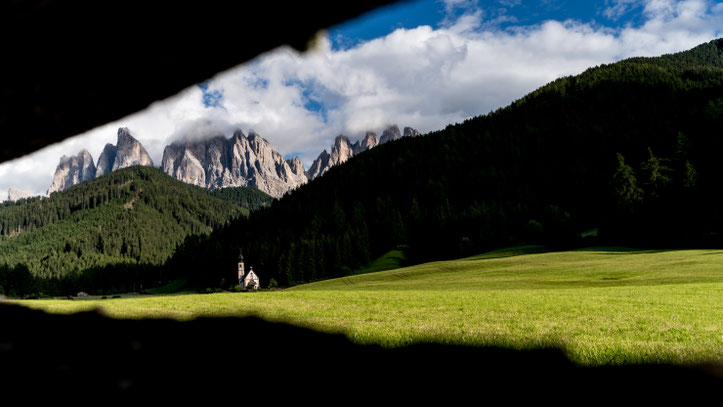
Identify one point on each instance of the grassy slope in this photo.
(604, 306)
(390, 260)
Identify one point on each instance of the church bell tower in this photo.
(241, 269)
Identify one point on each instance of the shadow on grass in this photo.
(509, 252)
(616, 250)
(390, 260)
(536, 249)
(90, 354)
(606, 250)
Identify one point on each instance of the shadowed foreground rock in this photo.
(88, 355)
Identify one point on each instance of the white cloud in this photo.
(422, 77)
(620, 8)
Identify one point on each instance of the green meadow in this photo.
(603, 306)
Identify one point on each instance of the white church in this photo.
(250, 281)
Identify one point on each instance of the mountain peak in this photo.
(106, 160)
(76, 169)
(124, 132)
(237, 161)
(410, 132)
(391, 133)
(125, 137)
(342, 149)
(129, 151)
(73, 170)
(368, 142)
(14, 194)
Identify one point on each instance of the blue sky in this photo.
(499, 15)
(437, 13)
(423, 64)
(410, 14)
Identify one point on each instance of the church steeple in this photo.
(241, 269)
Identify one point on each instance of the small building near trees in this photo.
(247, 281)
(251, 281)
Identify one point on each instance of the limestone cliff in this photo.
(73, 170)
(391, 133)
(14, 194)
(369, 141)
(239, 161)
(343, 150)
(129, 151)
(106, 160)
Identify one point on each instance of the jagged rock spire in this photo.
(391, 133)
(73, 170)
(129, 151)
(342, 149)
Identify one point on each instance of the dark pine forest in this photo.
(624, 154)
(109, 234)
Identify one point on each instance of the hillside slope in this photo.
(250, 198)
(126, 221)
(627, 151)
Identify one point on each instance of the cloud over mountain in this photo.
(425, 77)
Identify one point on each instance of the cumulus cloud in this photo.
(201, 129)
(423, 77)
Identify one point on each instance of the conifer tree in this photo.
(627, 191)
(656, 175)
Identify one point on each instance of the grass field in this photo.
(603, 306)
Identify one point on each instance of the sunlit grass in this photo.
(602, 306)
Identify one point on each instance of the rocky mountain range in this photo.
(342, 149)
(127, 152)
(219, 162)
(75, 169)
(239, 161)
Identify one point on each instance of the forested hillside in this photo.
(106, 233)
(627, 153)
(250, 198)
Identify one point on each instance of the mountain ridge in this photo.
(218, 162)
(342, 149)
(76, 169)
(238, 161)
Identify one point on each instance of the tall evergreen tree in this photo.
(627, 192)
(656, 175)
